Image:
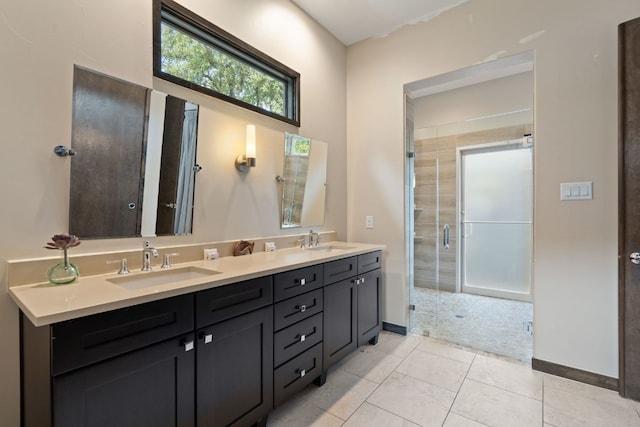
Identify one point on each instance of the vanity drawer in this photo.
(292, 283)
(294, 309)
(222, 303)
(335, 271)
(370, 261)
(296, 339)
(86, 340)
(295, 375)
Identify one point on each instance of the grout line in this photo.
(543, 388)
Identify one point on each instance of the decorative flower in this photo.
(63, 241)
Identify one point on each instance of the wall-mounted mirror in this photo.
(134, 169)
(304, 181)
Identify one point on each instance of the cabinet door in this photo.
(149, 387)
(369, 313)
(234, 370)
(340, 336)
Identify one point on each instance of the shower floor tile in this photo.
(490, 324)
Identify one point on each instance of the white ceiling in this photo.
(351, 21)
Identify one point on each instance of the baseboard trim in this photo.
(575, 374)
(402, 330)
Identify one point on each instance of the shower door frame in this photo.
(512, 144)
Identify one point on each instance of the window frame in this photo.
(230, 45)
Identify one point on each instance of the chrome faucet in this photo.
(314, 238)
(309, 241)
(147, 252)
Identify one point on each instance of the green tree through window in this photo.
(194, 61)
(196, 54)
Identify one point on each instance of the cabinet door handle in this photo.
(301, 282)
(302, 372)
(356, 281)
(208, 338)
(361, 280)
(188, 345)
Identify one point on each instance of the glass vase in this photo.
(63, 272)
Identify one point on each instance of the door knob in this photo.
(635, 257)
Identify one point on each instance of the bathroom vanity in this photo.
(211, 350)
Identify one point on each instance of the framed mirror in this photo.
(134, 171)
(303, 181)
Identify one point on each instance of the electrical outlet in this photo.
(368, 221)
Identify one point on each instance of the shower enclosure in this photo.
(470, 203)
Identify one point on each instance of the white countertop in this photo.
(45, 304)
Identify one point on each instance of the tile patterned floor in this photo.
(491, 324)
(408, 381)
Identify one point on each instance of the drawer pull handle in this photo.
(302, 337)
(301, 282)
(208, 338)
(302, 308)
(188, 346)
(302, 372)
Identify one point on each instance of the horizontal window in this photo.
(192, 52)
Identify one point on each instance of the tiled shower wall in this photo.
(436, 157)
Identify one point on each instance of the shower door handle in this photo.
(445, 241)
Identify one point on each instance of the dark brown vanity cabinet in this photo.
(369, 284)
(153, 386)
(128, 367)
(352, 305)
(224, 356)
(298, 330)
(234, 355)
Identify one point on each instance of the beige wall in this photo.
(575, 243)
(40, 42)
(480, 100)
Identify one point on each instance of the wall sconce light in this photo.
(248, 160)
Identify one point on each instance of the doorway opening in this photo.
(470, 208)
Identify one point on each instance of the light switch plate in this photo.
(576, 190)
(368, 221)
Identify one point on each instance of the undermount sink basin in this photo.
(329, 248)
(161, 277)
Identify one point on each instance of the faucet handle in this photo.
(301, 241)
(166, 263)
(123, 265)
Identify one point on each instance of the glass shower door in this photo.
(434, 227)
(461, 252)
